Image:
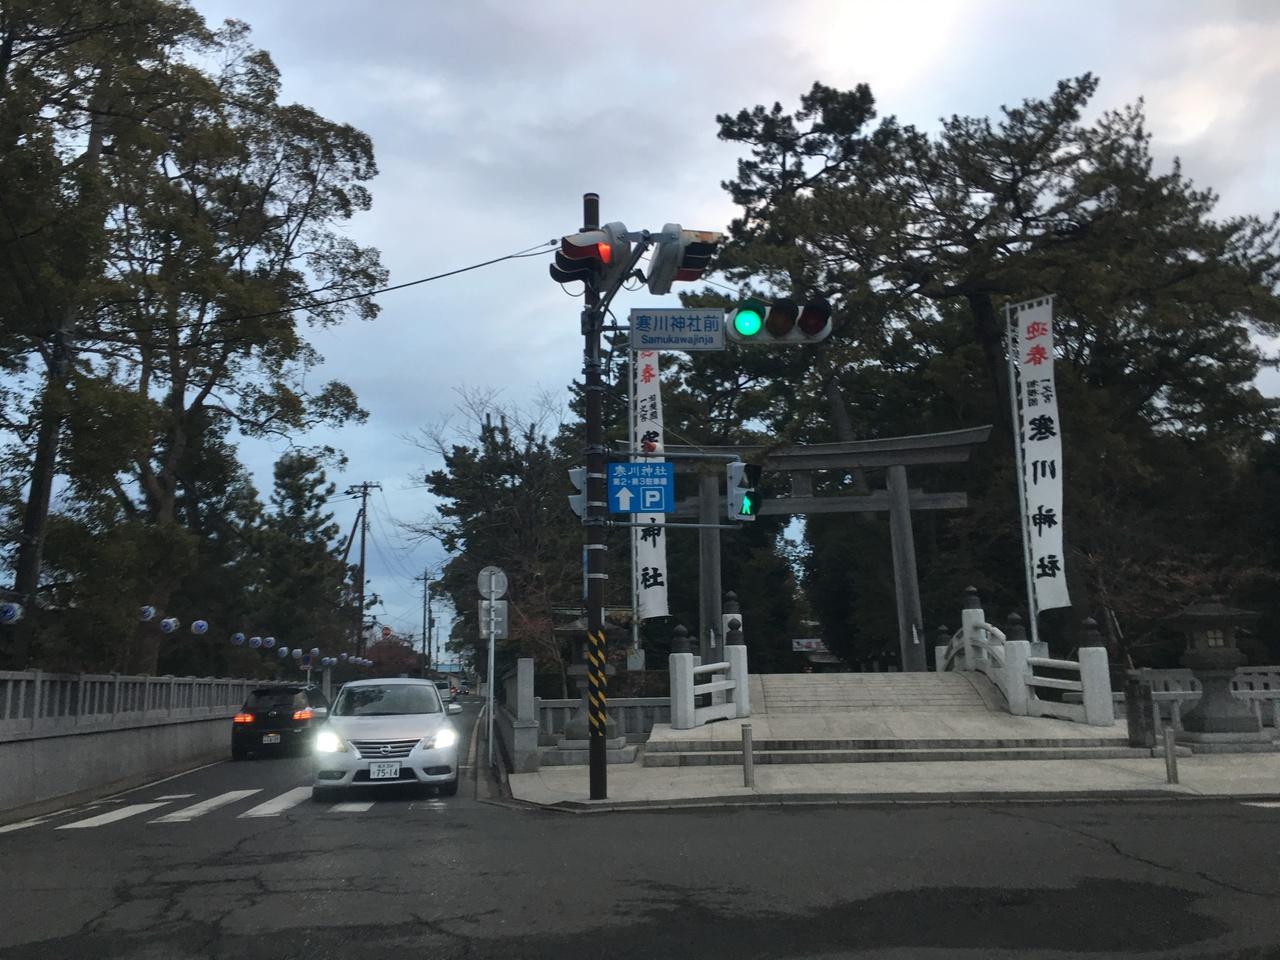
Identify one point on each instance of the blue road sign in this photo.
(642, 488)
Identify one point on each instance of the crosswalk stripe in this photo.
(204, 806)
(278, 805)
(1268, 805)
(351, 807)
(22, 824)
(176, 796)
(111, 816)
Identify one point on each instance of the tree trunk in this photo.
(36, 514)
(844, 428)
(991, 338)
(34, 519)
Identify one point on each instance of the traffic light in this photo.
(593, 256)
(783, 321)
(681, 257)
(578, 501)
(742, 489)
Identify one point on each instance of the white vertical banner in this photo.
(648, 543)
(1040, 450)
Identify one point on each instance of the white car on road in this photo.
(387, 731)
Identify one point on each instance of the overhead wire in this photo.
(535, 251)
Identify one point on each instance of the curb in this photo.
(882, 800)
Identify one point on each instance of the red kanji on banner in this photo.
(647, 374)
(1037, 329)
(1037, 355)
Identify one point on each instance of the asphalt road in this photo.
(407, 874)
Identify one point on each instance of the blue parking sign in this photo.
(642, 487)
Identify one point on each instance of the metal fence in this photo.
(38, 704)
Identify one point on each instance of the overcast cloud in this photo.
(490, 119)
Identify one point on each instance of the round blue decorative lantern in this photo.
(268, 642)
(255, 642)
(10, 613)
(199, 627)
(296, 653)
(169, 624)
(342, 656)
(283, 652)
(238, 639)
(148, 613)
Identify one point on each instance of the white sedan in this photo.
(387, 731)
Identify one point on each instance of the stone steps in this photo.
(915, 743)
(843, 692)
(725, 757)
(576, 753)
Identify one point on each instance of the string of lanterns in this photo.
(171, 625)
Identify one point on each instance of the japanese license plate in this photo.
(271, 738)
(384, 770)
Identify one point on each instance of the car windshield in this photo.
(386, 700)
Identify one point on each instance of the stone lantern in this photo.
(1212, 655)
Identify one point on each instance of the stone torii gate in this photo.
(897, 499)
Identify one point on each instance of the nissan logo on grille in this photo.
(386, 749)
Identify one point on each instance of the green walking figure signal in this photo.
(742, 483)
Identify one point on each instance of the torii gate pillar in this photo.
(906, 582)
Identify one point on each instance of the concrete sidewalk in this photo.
(1247, 775)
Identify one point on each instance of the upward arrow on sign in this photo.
(624, 499)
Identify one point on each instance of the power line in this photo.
(534, 251)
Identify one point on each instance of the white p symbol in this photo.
(651, 497)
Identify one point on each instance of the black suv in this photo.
(278, 720)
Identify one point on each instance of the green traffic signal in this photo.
(747, 506)
(749, 318)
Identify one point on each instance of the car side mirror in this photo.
(455, 708)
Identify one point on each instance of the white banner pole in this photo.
(1014, 345)
(635, 533)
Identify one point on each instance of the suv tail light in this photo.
(243, 718)
(303, 714)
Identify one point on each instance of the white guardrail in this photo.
(38, 704)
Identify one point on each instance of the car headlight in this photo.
(444, 737)
(329, 742)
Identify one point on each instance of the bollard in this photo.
(1170, 755)
(748, 758)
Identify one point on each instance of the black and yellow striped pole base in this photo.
(597, 705)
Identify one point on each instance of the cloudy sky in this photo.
(490, 119)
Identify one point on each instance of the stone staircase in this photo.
(784, 693)
(883, 718)
(695, 753)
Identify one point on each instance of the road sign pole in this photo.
(594, 523)
(489, 711)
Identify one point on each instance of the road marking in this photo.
(156, 783)
(22, 824)
(278, 805)
(111, 816)
(204, 806)
(1268, 805)
(176, 796)
(351, 807)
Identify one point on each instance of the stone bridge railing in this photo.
(1020, 670)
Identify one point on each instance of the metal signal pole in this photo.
(594, 520)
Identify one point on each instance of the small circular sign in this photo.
(492, 583)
